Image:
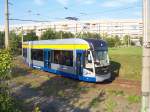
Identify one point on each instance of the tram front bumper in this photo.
(101, 78)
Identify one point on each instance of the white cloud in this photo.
(40, 2)
(63, 2)
(111, 4)
(117, 3)
(86, 1)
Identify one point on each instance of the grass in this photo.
(116, 92)
(110, 105)
(82, 89)
(96, 100)
(133, 99)
(130, 61)
(61, 93)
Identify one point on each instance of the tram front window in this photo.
(88, 61)
(100, 58)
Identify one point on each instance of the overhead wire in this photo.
(28, 20)
(117, 10)
(82, 14)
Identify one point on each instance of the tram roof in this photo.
(93, 44)
(96, 44)
(61, 41)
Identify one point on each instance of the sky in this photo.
(57, 10)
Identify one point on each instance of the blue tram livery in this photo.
(81, 59)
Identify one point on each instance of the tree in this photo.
(91, 35)
(104, 35)
(117, 41)
(30, 36)
(96, 36)
(110, 42)
(49, 34)
(141, 40)
(15, 43)
(126, 39)
(62, 35)
(67, 34)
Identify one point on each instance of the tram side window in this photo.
(49, 56)
(24, 52)
(68, 58)
(63, 57)
(37, 54)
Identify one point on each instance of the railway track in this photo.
(127, 82)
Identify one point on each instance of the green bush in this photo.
(90, 35)
(30, 36)
(110, 42)
(113, 41)
(51, 34)
(7, 103)
(126, 40)
(62, 34)
(15, 43)
(5, 64)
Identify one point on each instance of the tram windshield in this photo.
(100, 58)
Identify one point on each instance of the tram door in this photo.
(79, 62)
(47, 58)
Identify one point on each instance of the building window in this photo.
(37, 54)
(24, 52)
(63, 57)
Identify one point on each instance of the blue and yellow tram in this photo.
(81, 59)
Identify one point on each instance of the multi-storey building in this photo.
(132, 27)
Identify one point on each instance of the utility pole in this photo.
(99, 30)
(146, 58)
(6, 25)
(76, 29)
(22, 39)
(128, 40)
(61, 34)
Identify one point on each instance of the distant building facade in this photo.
(132, 27)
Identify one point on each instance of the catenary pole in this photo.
(22, 39)
(6, 25)
(146, 58)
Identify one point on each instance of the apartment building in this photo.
(122, 27)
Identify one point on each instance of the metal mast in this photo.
(6, 25)
(146, 58)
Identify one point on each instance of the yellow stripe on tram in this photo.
(63, 46)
